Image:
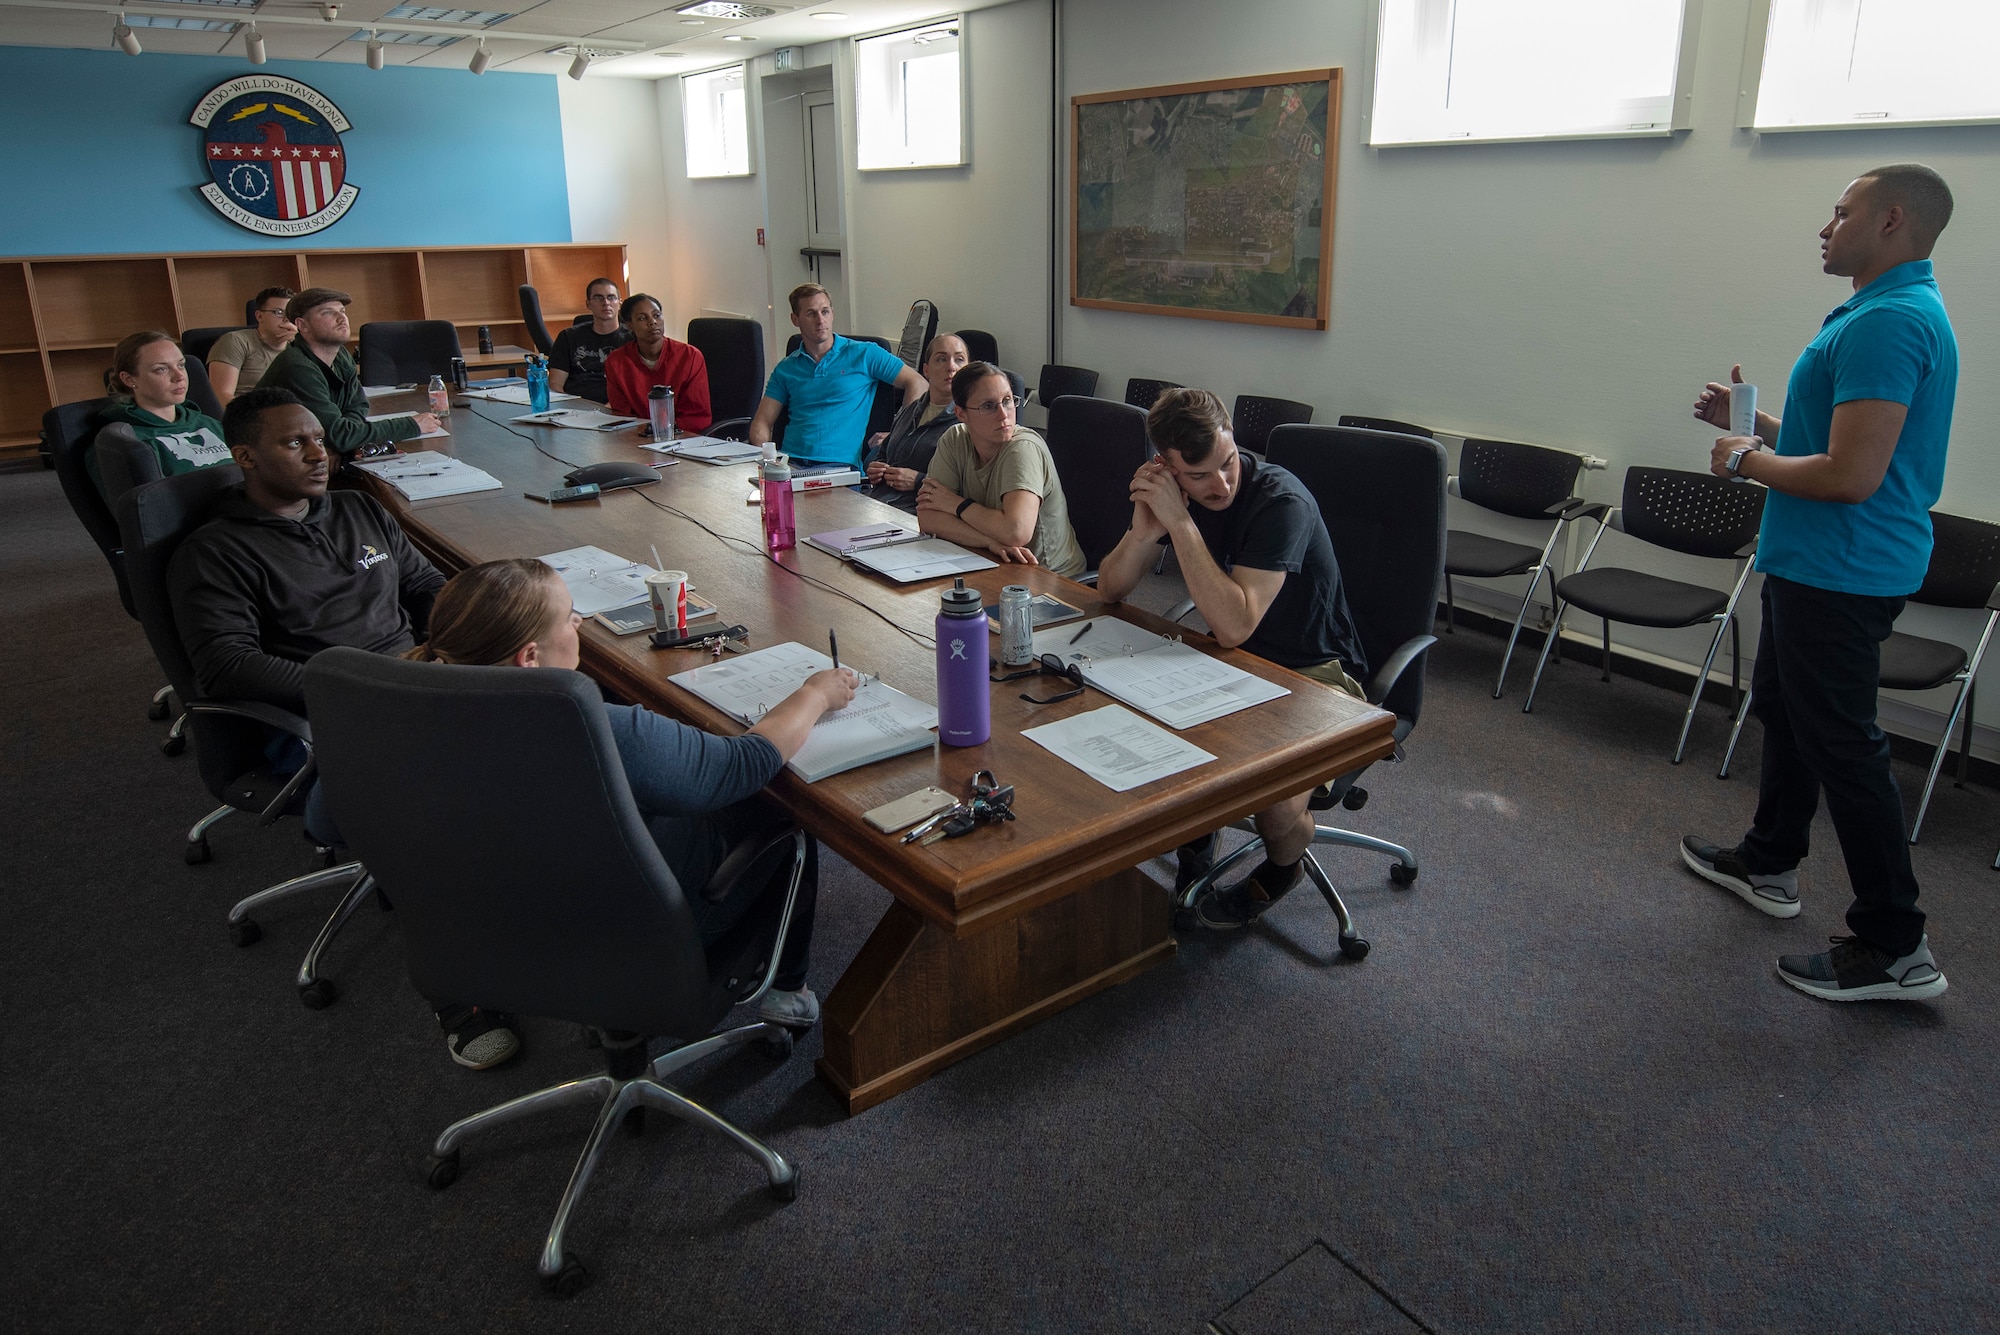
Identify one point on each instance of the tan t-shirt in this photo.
(245, 351)
(1023, 465)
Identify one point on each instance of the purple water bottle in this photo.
(964, 698)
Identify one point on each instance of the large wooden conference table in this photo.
(991, 932)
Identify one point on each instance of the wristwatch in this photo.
(1735, 464)
(959, 513)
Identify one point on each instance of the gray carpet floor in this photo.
(1564, 1093)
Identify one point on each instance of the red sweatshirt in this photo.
(680, 366)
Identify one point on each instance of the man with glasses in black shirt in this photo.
(576, 363)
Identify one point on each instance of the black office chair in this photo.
(1964, 573)
(229, 735)
(1097, 445)
(1696, 514)
(401, 352)
(200, 392)
(531, 316)
(492, 804)
(1382, 497)
(980, 346)
(1254, 417)
(1385, 424)
(1527, 482)
(250, 313)
(1141, 393)
(793, 344)
(1058, 381)
(197, 342)
(734, 351)
(919, 328)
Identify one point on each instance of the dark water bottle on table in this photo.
(963, 694)
(660, 407)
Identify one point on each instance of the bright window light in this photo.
(1466, 71)
(909, 100)
(1847, 63)
(715, 123)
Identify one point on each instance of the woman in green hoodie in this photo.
(148, 383)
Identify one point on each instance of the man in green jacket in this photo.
(320, 370)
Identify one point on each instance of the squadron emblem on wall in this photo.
(274, 156)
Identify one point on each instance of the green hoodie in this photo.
(192, 440)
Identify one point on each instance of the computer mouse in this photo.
(610, 476)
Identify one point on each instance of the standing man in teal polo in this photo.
(1858, 463)
(829, 386)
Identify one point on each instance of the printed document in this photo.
(598, 580)
(908, 562)
(1174, 682)
(1117, 748)
(516, 393)
(426, 475)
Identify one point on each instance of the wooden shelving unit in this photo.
(60, 315)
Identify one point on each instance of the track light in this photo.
(479, 58)
(580, 64)
(374, 50)
(127, 40)
(253, 44)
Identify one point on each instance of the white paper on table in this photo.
(907, 562)
(709, 449)
(382, 391)
(1117, 748)
(1174, 682)
(513, 394)
(426, 475)
(599, 581)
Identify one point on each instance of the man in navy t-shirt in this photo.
(1261, 569)
(1858, 463)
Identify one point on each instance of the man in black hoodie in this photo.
(284, 569)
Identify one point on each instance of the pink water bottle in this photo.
(780, 534)
(965, 700)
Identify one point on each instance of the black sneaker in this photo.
(1856, 971)
(1227, 910)
(1776, 893)
(482, 1039)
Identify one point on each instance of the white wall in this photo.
(617, 193)
(713, 257)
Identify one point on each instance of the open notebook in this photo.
(879, 723)
(1176, 683)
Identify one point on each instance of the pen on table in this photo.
(1083, 632)
(833, 646)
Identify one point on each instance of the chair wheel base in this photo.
(1184, 920)
(787, 1191)
(157, 711)
(442, 1170)
(318, 994)
(779, 1046)
(195, 853)
(1401, 875)
(173, 745)
(1354, 799)
(570, 1280)
(245, 932)
(1354, 947)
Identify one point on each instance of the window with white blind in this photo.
(1827, 64)
(715, 123)
(909, 99)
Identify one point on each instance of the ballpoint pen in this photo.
(833, 647)
(1085, 630)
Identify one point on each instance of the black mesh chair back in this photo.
(400, 352)
(1385, 424)
(69, 429)
(1141, 393)
(793, 344)
(1698, 514)
(491, 805)
(1519, 480)
(981, 346)
(1058, 381)
(200, 392)
(197, 342)
(1382, 495)
(919, 328)
(1098, 445)
(734, 351)
(1965, 562)
(531, 316)
(1254, 416)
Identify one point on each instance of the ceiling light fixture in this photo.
(253, 44)
(734, 37)
(479, 58)
(374, 50)
(829, 16)
(694, 23)
(127, 42)
(581, 65)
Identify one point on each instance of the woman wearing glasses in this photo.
(993, 484)
(237, 361)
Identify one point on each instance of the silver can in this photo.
(1017, 625)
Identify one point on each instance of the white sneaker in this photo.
(794, 1010)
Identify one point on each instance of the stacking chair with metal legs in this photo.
(1964, 573)
(492, 803)
(1696, 514)
(1141, 392)
(1058, 380)
(1253, 417)
(1385, 424)
(1526, 482)
(1383, 498)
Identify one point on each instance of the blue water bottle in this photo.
(964, 697)
(538, 383)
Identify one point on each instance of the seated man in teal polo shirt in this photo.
(829, 386)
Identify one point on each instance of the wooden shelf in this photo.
(87, 344)
(24, 397)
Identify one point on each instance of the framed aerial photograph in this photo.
(1207, 200)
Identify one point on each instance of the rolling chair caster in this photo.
(157, 709)
(195, 853)
(245, 932)
(318, 994)
(173, 744)
(1354, 799)
(570, 1280)
(1401, 875)
(442, 1170)
(1354, 947)
(787, 1191)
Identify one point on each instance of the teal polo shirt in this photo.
(1888, 341)
(829, 399)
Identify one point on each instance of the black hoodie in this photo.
(255, 594)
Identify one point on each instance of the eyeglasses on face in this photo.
(1006, 403)
(276, 312)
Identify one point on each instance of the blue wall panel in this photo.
(97, 155)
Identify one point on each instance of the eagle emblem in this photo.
(275, 161)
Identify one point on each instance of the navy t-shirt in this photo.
(1274, 524)
(579, 353)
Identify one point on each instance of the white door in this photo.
(824, 230)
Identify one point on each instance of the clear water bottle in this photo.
(660, 407)
(1017, 625)
(963, 694)
(775, 476)
(538, 383)
(440, 398)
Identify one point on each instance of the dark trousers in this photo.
(695, 846)
(1819, 665)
